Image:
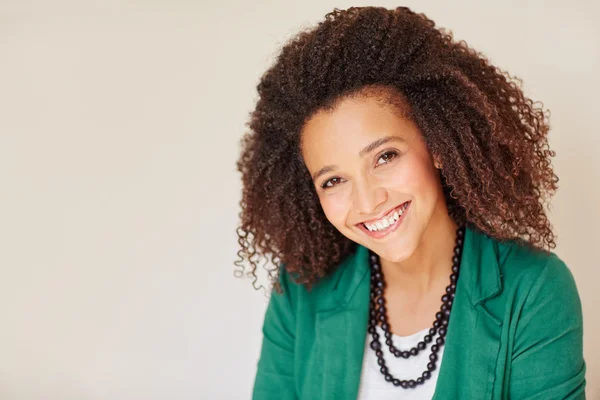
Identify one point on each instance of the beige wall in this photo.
(118, 139)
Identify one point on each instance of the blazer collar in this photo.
(480, 271)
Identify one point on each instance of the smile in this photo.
(387, 224)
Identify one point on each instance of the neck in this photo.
(429, 267)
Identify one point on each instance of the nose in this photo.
(367, 197)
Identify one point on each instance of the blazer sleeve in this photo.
(547, 361)
(275, 369)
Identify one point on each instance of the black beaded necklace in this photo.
(377, 312)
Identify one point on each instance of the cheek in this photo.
(411, 176)
(336, 208)
(403, 178)
(400, 179)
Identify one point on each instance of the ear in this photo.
(436, 162)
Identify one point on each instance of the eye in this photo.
(387, 157)
(330, 183)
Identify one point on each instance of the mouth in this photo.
(387, 224)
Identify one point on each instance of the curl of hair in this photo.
(490, 138)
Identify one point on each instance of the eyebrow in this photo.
(362, 153)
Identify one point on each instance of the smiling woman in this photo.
(383, 167)
(398, 181)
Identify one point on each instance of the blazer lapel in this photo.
(341, 332)
(468, 367)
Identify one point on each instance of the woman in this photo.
(399, 181)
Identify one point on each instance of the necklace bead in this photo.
(378, 313)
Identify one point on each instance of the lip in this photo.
(389, 229)
(385, 213)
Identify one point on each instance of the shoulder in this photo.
(533, 280)
(512, 278)
(329, 291)
(523, 268)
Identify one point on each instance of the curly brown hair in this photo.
(491, 139)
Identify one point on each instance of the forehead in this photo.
(354, 122)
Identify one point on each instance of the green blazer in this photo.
(515, 332)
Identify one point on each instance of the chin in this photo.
(394, 256)
(398, 250)
(395, 252)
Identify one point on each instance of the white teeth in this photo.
(403, 208)
(386, 221)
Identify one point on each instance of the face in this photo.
(375, 178)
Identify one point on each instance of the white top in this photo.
(372, 382)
